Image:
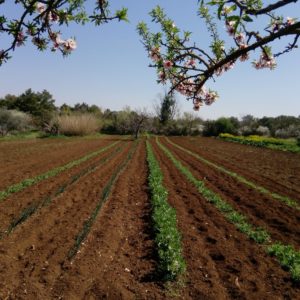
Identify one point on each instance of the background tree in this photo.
(221, 125)
(168, 108)
(40, 105)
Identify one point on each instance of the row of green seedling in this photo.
(288, 257)
(288, 201)
(167, 237)
(30, 210)
(103, 198)
(31, 181)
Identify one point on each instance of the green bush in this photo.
(13, 121)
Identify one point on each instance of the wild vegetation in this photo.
(258, 141)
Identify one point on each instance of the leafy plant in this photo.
(288, 258)
(286, 255)
(167, 237)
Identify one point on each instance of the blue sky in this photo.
(110, 68)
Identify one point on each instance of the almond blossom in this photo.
(154, 54)
(168, 64)
(265, 61)
(41, 7)
(230, 27)
(290, 21)
(70, 45)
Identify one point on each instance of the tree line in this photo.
(38, 111)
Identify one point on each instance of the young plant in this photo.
(167, 237)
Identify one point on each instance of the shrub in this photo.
(13, 120)
(77, 124)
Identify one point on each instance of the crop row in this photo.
(285, 199)
(51, 173)
(285, 254)
(167, 237)
(103, 198)
(31, 209)
(266, 142)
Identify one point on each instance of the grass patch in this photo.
(167, 237)
(104, 196)
(288, 201)
(285, 254)
(31, 181)
(21, 136)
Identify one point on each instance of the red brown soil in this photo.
(281, 221)
(34, 254)
(221, 262)
(275, 170)
(119, 252)
(14, 205)
(21, 160)
(118, 260)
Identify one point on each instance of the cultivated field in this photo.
(81, 219)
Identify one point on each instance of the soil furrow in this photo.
(21, 203)
(119, 251)
(16, 168)
(276, 170)
(281, 221)
(34, 254)
(222, 262)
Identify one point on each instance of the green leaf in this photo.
(246, 18)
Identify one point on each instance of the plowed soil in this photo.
(278, 171)
(281, 221)
(222, 262)
(23, 160)
(118, 259)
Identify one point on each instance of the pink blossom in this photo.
(197, 104)
(210, 97)
(190, 63)
(162, 76)
(230, 27)
(244, 56)
(240, 38)
(70, 45)
(290, 21)
(154, 54)
(265, 61)
(168, 64)
(20, 39)
(41, 7)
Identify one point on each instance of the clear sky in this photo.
(110, 68)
